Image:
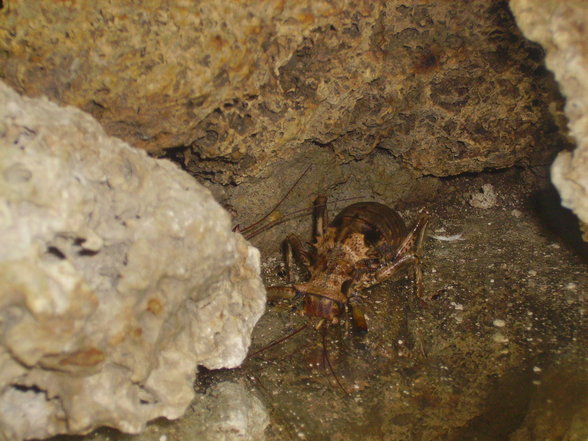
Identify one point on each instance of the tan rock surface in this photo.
(238, 86)
(119, 274)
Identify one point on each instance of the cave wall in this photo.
(232, 88)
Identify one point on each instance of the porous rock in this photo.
(561, 28)
(236, 87)
(119, 274)
(485, 198)
(228, 412)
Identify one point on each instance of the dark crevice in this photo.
(56, 252)
(87, 253)
(26, 388)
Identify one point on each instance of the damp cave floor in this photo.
(498, 353)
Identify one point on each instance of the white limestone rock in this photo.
(119, 274)
(227, 412)
(562, 29)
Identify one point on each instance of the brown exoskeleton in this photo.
(365, 244)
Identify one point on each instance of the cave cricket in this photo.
(364, 245)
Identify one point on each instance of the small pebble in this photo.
(516, 213)
(571, 286)
(486, 198)
(536, 369)
(499, 323)
(499, 338)
(532, 273)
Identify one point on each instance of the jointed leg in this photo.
(393, 268)
(413, 243)
(419, 286)
(293, 248)
(319, 217)
(293, 245)
(359, 321)
(276, 293)
(419, 230)
(412, 247)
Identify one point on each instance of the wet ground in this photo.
(507, 311)
(498, 352)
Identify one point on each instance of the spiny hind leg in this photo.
(389, 270)
(419, 231)
(414, 240)
(394, 267)
(409, 253)
(412, 247)
(406, 261)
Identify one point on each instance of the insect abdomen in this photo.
(378, 223)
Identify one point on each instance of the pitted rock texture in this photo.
(233, 87)
(119, 275)
(561, 28)
(227, 412)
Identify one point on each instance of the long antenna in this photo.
(279, 202)
(247, 234)
(326, 357)
(278, 341)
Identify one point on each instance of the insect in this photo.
(365, 244)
